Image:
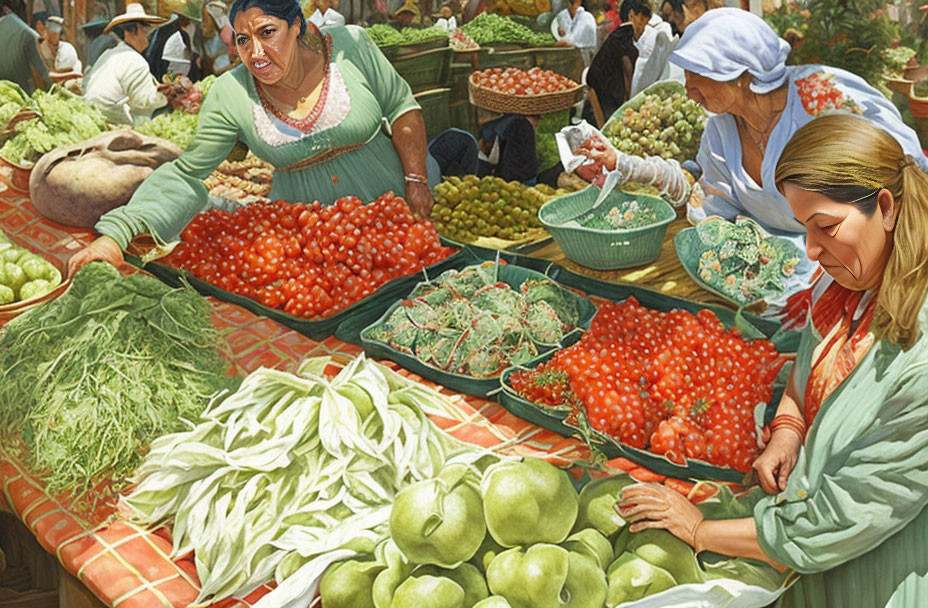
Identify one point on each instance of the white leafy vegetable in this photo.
(291, 473)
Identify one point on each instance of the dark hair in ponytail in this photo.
(288, 10)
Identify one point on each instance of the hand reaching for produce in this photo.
(420, 200)
(104, 248)
(601, 157)
(651, 505)
(776, 462)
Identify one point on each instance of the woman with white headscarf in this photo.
(736, 68)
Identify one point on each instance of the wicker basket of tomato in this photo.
(673, 391)
(306, 266)
(510, 90)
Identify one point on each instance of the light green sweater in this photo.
(853, 517)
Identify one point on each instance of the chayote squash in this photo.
(593, 544)
(349, 584)
(528, 502)
(597, 505)
(428, 592)
(632, 578)
(439, 521)
(547, 576)
(467, 576)
(664, 550)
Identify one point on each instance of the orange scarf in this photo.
(841, 350)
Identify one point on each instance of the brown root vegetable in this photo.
(77, 184)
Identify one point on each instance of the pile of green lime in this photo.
(469, 207)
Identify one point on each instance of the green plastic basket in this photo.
(566, 61)
(461, 383)
(570, 424)
(435, 111)
(518, 58)
(457, 81)
(425, 70)
(605, 249)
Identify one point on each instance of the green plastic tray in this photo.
(605, 249)
(689, 248)
(479, 387)
(560, 420)
(369, 307)
(750, 323)
(425, 70)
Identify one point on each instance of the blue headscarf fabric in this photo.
(725, 42)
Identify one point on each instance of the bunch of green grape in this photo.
(669, 127)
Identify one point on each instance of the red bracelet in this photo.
(789, 422)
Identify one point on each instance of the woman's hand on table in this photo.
(419, 198)
(776, 462)
(103, 249)
(651, 505)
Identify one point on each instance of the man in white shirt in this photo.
(446, 19)
(573, 26)
(120, 83)
(653, 36)
(326, 14)
(58, 55)
(180, 49)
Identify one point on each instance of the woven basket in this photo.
(21, 176)
(10, 311)
(435, 112)
(605, 249)
(527, 105)
(402, 50)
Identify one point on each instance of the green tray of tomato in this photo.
(510, 273)
(315, 329)
(572, 422)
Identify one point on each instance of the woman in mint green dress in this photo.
(846, 466)
(325, 108)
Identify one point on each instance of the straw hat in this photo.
(191, 9)
(409, 7)
(134, 12)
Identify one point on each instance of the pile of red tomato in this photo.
(675, 383)
(308, 259)
(515, 81)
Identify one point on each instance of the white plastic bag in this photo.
(721, 593)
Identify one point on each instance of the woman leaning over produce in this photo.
(327, 110)
(847, 463)
(736, 68)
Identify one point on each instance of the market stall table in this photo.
(129, 567)
(666, 274)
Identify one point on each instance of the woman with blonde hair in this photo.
(846, 461)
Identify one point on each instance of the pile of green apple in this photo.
(516, 536)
